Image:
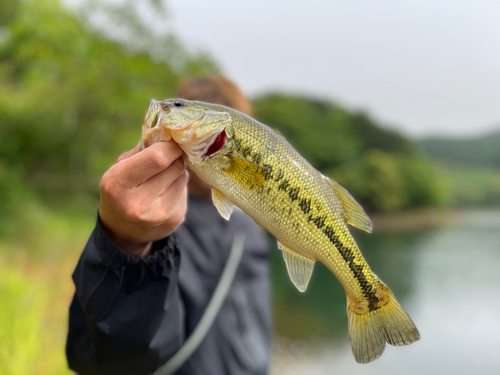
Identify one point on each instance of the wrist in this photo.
(136, 249)
(133, 247)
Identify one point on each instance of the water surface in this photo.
(447, 280)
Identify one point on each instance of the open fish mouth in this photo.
(199, 132)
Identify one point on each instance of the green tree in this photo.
(373, 136)
(71, 100)
(318, 129)
(384, 181)
(423, 182)
(375, 181)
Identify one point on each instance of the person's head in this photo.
(216, 90)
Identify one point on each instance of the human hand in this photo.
(144, 196)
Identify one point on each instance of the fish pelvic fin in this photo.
(222, 203)
(300, 268)
(353, 212)
(369, 331)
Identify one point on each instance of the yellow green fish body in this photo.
(251, 166)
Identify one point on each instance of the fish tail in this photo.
(369, 331)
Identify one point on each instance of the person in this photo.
(154, 260)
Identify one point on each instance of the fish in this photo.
(253, 167)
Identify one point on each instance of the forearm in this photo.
(127, 315)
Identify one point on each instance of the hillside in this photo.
(381, 168)
(480, 151)
(471, 166)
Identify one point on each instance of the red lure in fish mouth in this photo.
(217, 145)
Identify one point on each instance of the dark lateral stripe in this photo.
(246, 152)
(293, 193)
(319, 221)
(267, 169)
(279, 176)
(305, 205)
(357, 270)
(237, 144)
(284, 185)
(257, 158)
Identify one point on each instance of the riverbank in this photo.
(416, 220)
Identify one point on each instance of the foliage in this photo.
(374, 136)
(381, 168)
(385, 187)
(424, 183)
(480, 151)
(72, 97)
(471, 168)
(39, 248)
(32, 321)
(472, 185)
(70, 100)
(36, 290)
(318, 129)
(375, 180)
(73, 93)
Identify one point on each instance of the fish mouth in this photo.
(200, 132)
(197, 149)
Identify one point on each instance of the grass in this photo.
(37, 256)
(33, 317)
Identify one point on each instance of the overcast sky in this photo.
(424, 67)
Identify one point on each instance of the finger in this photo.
(139, 167)
(129, 153)
(176, 193)
(160, 182)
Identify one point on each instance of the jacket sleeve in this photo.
(126, 316)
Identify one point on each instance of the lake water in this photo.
(448, 281)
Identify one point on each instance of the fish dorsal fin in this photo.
(222, 203)
(299, 267)
(278, 132)
(353, 213)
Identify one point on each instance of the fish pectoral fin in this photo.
(353, 212)
(300, 268)
(246, 173)
(222, 203)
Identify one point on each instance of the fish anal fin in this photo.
(222, 203)
(299, 267)
(353, 212)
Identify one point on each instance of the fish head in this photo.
(200, 129)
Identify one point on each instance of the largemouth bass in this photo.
(253, 167)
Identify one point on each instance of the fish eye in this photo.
(179, 103)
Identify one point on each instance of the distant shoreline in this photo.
(421, 219)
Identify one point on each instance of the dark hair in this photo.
(215, 90)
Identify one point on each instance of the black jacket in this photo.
(130, 315)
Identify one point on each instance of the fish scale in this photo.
(258, 171)
(279, 212)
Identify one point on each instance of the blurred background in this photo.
(397, 102)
